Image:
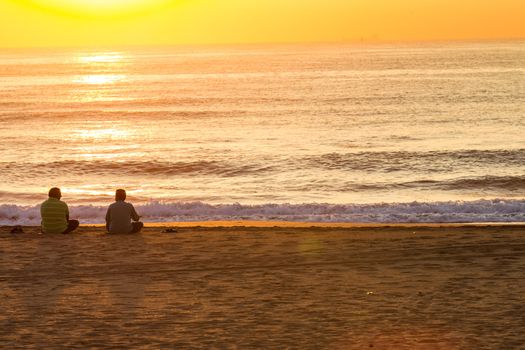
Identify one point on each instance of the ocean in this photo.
(334, 133)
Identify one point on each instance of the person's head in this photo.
(120, 195)
(55, 193)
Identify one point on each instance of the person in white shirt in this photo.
(120, 214)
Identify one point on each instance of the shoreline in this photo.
(290, 224)
(483, 211)
(303, 225)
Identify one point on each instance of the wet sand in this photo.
(290, 286)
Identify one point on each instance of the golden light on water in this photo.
(101, 58)
(100, 134)
(106, 69)
(86, 191)
(105, 61)
(100, 142)
(99, 79)
(93, 89)
(101, 191)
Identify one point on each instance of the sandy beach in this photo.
(265, 286)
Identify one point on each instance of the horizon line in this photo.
(277, 43)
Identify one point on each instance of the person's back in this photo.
(55, 214)
(120, 214)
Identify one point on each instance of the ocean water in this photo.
(366, 133)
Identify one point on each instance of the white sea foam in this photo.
(415, 212)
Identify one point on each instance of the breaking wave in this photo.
(497, 210)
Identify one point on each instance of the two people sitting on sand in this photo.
(55, 215)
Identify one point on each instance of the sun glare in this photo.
(99, 8)
(101, 133)
(101, 58)
(99, 79)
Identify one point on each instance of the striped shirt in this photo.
(54, 214)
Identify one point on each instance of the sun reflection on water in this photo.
(100, 134)
(97, 76)
(110, 57)
(99, 79)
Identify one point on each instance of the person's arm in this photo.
(134, 214)
(41, 214)
(67, 212)
(108, 218)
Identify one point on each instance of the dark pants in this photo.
(72, 225)
(137, 226)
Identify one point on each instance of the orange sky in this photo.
(53, 23)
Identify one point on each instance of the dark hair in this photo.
(120, 195)
(55, 192)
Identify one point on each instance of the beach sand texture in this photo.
(265, 287)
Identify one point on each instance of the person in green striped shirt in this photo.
(55, 214)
